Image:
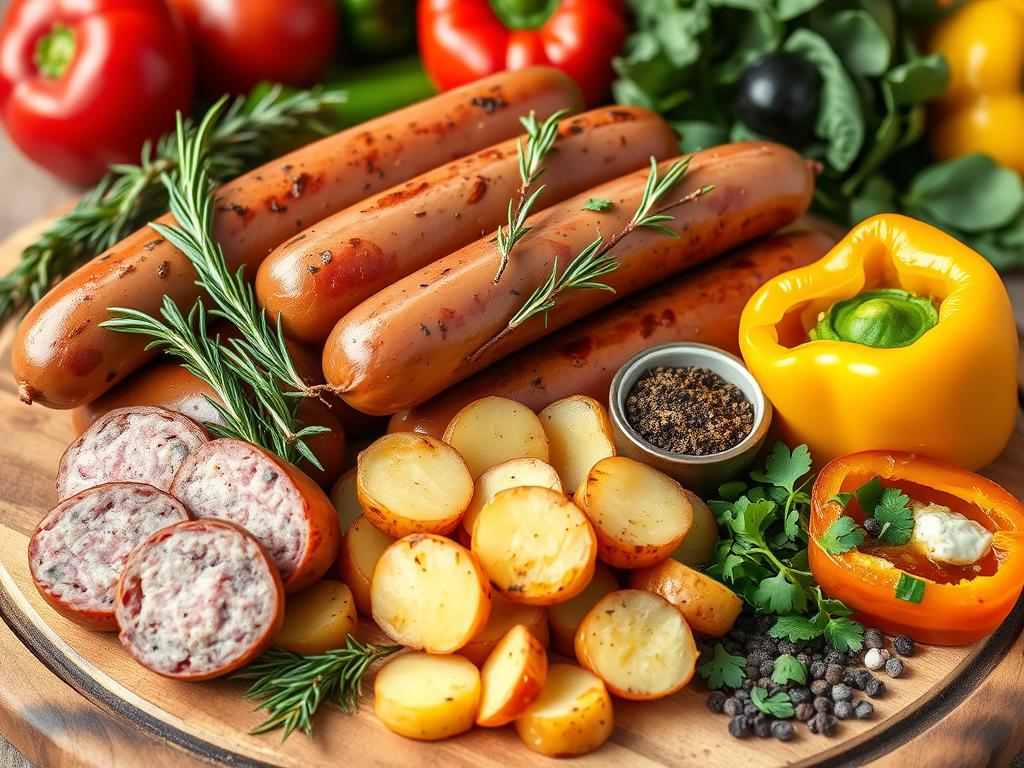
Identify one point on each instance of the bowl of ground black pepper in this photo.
(690, 410)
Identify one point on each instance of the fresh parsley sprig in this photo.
(540, 138)
(246, 134)
(293, 686)
(594, 261)
(890, 507)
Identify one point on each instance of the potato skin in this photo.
(709, 607)
(583, 729)
(357, 581)
(529, 683)
(325, 596)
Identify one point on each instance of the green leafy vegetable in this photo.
(787, 669)
(784, 468)
(842, 536)
(909, 588)
(597, 204)
(777, 705)
(723, 670)
(844, 634)
(896, 517)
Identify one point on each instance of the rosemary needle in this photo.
(293, 686)
(540, 138)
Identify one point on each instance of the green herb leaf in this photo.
(797, 628)
(777, 705)
(909, 588)
(788, 668)
(971, 194)
(783, 467)
(597, 204)
(843, 499)
(790, 9)
(919, 80)
(859, 40)
(844, 634)
(896, 517)
(723, 670)
(732, 490)
(870, 495)
(842, 536)
(777, 594)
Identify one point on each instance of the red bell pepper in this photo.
(464, 40)
(83, 83)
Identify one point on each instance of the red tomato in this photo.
(242, 42)
(83, 83)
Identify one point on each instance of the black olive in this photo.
(778, 95)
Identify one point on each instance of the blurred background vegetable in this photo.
(83, 83)
(377, 29)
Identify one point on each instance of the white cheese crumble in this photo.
(948, 536)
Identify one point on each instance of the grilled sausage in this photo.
(702, 306)
(415, 338)
(143, 445)
(198, 600)
(77, 552)
(276, 502)
(62, 358)
(313, 280)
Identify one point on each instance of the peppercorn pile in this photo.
(692, 411)
(809, 682)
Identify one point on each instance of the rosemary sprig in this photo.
(593, 262)
(540, 138)
(247, 133)
(294, 686)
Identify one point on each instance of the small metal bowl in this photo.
(700, 474)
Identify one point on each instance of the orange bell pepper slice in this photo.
(949, 613)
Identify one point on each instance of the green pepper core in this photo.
(54, 51)
(885, 318)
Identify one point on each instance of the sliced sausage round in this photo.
(77, 552)
(273, 500)
(141, 445)
(198, 600)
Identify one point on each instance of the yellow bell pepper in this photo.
(983, 108)
(900, 338)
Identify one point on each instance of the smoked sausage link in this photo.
(414, 339)
(276, 502)
(314, 279)
(702, 306)
(198, 600)
(141, 444)
(61, 357)
(77, 552)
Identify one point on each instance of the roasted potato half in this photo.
(492, 430)
(572, 716)
(345, 498)
(579, 435)
(361, 548)
(319, 619)
(512, 677)
(710, 607)
(565, 618)
(409, 483)
(638, 643)
(535, 545)
(697, 548)
(506, 614)
(515, 473)
(427, 697)
(640, 515)
(429, 593)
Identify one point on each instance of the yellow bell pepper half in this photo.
(983, 108)
(900, 338)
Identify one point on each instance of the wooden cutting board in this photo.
(74, 697)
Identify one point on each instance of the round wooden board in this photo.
(73, 697)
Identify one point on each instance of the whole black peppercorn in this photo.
(872, 527)
(782, 730)
(843, 710)
(857, 678)
(771, 648)
(767, 668)
(874, 688)
(739, 726)
(757, 657)
(842, 692)
(747, 622)
(762, 726)
(822, 704)
(817, 669)
(753, 672)
(863, 709)
(732, 706)
(731, 646)
(852, 658)
(834, 657)
(822, 723)
(873, 638)
(751, 711)
(765, 682)
(903, 645)
(834, 674)
(818, 687)
(804, 712)
(748, 684)
(787, 647)
(742, 695)
(804, 659)
(800, 695)
(894, 667)
(716, 702)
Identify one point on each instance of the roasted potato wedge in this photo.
(345, 498)
(515, 473)
(427, 697)
(409, 483)
(565, 618)
(697, 548)
(492, 430)
(638, 643)
(536, 546)
(512, 677)
(579, 435)
(709, 607)
(429, 593)
(319, 619)
(506, 614)
(361, 548)
(572, 716)
(640, 515)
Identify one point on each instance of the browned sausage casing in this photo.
(313, 280)
(62, 358)
(413, 339)
(702, 306)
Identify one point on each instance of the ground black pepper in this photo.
(691, 410)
